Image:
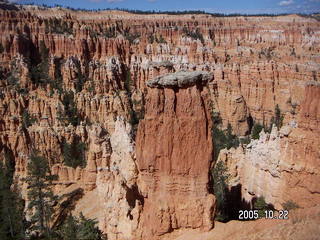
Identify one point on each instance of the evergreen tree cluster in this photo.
(276, 120)
(110, 32)
(41, 204)
(194, 12)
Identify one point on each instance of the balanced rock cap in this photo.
(180, 79)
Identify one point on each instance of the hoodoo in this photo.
(174, 153)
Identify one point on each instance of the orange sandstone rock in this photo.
(174, 153)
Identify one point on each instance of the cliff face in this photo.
(110, 68)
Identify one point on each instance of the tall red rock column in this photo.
(174, 153)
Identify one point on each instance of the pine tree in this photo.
(255, 133)
(11, 205)
(278, 117)
(80, 229)
(40, 196)
(220, 180)
(69, 229)
(88, 229)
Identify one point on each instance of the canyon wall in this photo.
(108, 70)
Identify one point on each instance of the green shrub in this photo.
(278, 117)
(290, 205)
(91, 87)
(260, 205)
